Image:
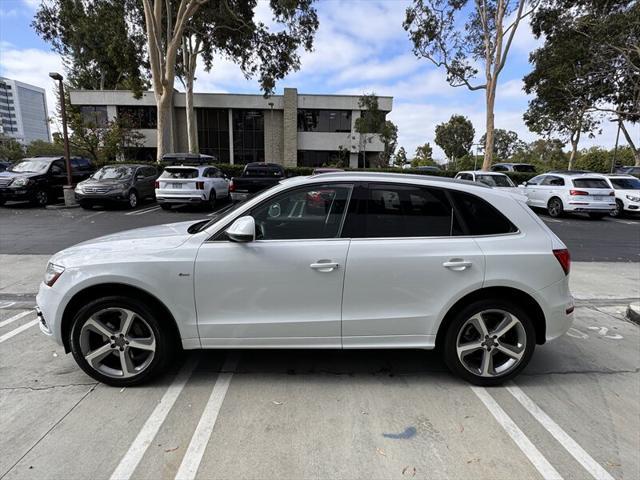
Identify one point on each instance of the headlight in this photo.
(79, 188)
(20, 182)
(52, 274)
(633, 199)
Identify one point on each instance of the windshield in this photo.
(495, 180)
(590, 183)
(113, 173)
(626, 183)
(524, 168)
(179, 173)
(201, 225)
(262, 172)
(35, 166)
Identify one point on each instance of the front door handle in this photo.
(457, 265)
(324, 265)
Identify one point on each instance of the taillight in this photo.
(199, 185)
(563, 256)
(232, 187)
(578, 192)
(157, 184)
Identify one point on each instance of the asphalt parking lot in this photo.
(573, 413)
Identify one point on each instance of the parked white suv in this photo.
(627, 193)
(490, 179)
(560, 192)
(343, 260)
(200, 185)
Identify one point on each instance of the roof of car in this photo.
(133, 165)
(509, 163)
(381, 176)
(263, 164)
(619, 175)
(482, 172)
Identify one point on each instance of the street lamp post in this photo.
(69, 197)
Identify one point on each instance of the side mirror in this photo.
(524, 184)
(242, 230)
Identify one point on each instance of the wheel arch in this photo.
(110, 289)
(507, 293)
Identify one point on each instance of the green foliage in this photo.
(423, 156)
(455, 137)
(544, 155)
(372, 119)
(100, 41)
(40, 148)
(10, 149)
(400, 159)
(597, 159)
(505, 143)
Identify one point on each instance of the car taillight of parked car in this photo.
(232, 187)
(578, 192)
(564, 258)
(199, 185)
(157, 184)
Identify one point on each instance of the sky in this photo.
(360, 47)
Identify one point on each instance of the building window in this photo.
(213, 132)
(139, 116)
(248, 136)
(95, 116)
(315, 158)
(332, 121)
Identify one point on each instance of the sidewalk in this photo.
(22, 274)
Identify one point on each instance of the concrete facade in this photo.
(23, 111)
(276, 136)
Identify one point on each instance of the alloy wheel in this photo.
(554, 208)
(491, 343)
(117, 342)
(133, 199)
(42, 198)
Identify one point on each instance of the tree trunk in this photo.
(636, 151)
(575, 138)
(192, 136)
(164, 104)
(489, 139)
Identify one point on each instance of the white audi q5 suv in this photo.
(337, 260)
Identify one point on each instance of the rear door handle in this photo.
(324, 266)
(457, 265)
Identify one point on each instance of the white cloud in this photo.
(31, 66)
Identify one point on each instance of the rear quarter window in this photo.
(590, 183)
(479, 216)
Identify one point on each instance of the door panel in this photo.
(400, 286)
(265, 293)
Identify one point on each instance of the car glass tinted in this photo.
(536, 180)
(553, 181)
(315, 211)
(524, 168)
(113, 173)
(590, 183)
(495, 180)
(31, 166)
(499, 168)
(480, 217)
(262, 172)
(626, 183)
(401, 211)
(179, 173)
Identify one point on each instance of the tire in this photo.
(132, 199)
(211, 204)
(40, 198)
(619, 211)
(107, 315)
(521, 337)
(555, 208)
(86, 205)
(597, 216)
(165, 206)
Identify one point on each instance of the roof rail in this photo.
(188, 158)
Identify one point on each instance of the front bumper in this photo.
(18, 194)
(49, 308)
(117, 196)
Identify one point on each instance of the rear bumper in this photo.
(181, 196)
(557, 305)
(239, 196)
(587, 207)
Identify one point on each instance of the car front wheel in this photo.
(41, 198)
(489, 342)
(619, 211)
(119, 341)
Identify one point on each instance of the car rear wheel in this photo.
(86, 205)
(489, 342)
(119, 341)
(212, 201)
(132, 199)
(165, 206)
(619, 211)
(555, 207)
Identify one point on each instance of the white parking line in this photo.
(7, 304)
(16, 331)
(625, 222)
(6, 322)
(570, 445)
(144, 210)
(533, 454)
(136, 451)
(193, 456)
(552, 220)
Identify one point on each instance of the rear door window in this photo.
(553, 181)
(590, 183)
(180, 173)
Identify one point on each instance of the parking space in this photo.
(573, 413)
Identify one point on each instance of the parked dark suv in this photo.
(39, 180)
(122, 183)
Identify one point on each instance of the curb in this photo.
(633, 312)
